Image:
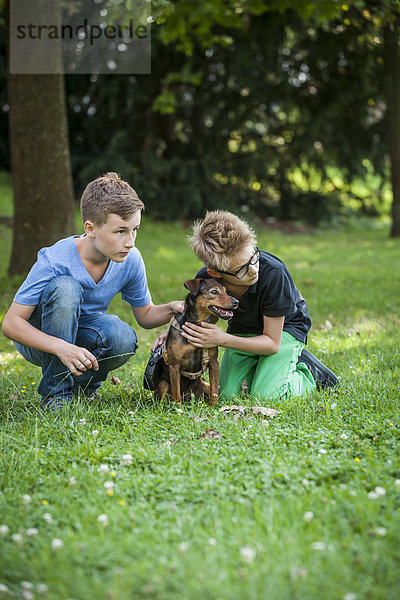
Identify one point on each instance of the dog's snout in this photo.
(234, 302)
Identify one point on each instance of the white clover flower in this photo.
(318, 546)
(127, 458)
(103, 520)
(31, 531)
(26, 499)
(378, 492)
(82, 421)
(42, 589)
(56, 544)
(322, 451)
(27, 595)
(333, 405)
(247, 554)
(72, 481)
(381, 531)
(308, 516)
(18, 538)
(212, 541)
(109, 485)
(305, 482)
(27, 585)
(150, 19)
(182, 547)
(131, 412)
(397, 483)
(48, 518)
(4, 590)
(349, 596)
(343, 436)
(95, 432)
(4, 529)
(103, 469)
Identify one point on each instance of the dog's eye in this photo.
(214, 292)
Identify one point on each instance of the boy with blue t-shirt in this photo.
(58, 317)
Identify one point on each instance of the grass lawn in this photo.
(123, 499)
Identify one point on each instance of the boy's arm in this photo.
(209, 335)
(151, 315)
(16, 326)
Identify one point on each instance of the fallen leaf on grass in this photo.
(115, 380)
(238, 412)
(210, 434)
(265, 411)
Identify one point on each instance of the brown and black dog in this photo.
(184, 363)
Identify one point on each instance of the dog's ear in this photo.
(193, 285)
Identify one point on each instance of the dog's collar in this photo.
(174, 323)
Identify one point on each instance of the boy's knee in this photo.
(121, 337)
(64, 289)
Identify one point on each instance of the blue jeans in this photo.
(58, 313)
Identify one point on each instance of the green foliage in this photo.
(242, 95)
(305, 503)
(165, 103)
(260, 95)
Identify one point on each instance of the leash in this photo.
(204, 360)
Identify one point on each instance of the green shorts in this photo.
(277, 376)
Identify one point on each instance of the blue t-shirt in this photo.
(128, 277)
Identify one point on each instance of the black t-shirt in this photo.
(273, 295)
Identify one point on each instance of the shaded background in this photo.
(279, 111)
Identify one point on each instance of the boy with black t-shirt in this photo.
(264, 342)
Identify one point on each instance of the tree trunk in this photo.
(40, 161)
(392, 68)
(41, 169)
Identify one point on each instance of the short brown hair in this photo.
(106, 195)
(219, 237)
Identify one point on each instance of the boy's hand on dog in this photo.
(177, 306)
(78, 360)
(206, 336)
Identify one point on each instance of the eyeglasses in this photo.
(243, 270)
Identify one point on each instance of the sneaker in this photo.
(55, 402)
(323, 376)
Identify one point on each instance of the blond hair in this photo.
(219, 237)
(107, 195)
